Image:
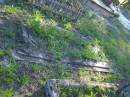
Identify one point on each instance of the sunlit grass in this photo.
(115, 43)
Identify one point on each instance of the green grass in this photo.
(86, 91)
(115, 44)
(7, 93)
(58, 71)
(35, 68)
(87, 75)
(1, 53)
(89, 54)
(8, 74)
(24, 79)
(68, 26)
(74, 53)
(10, 9)
(37, 15)
(56, 39)
(8, 32)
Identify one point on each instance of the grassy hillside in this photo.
(62, 40)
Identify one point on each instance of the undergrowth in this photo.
(115, 43)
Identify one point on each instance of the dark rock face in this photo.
(125, 92)
(107, 2)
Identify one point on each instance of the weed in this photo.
(83, 72)
(58, 71)
(8, 32)
(89, 54)
(74, 53)
(69, 36)
(7, 93)
(62, 71)
(35, 25)
(41, 82)
(37, 15)
(35, 68)
(1, 53)
(7, 52)
(24, 79)
(113, 42)
(10, 9)
(68, 26)
(86, 91)
(7, 74)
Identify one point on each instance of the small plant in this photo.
(41, 82)
(69, 36)
(37, 15)
(86, 91)
(75, 53)
(98, 77)
(1, 53)
(89, 54)
(25, 79)
(46, 7)
(35, 25)
(7, 75)
(10, 9)
(7, 52)
(83, 72)
(68, 26)
(91, 95)
(62, 71)
(35, 68)
(8, 32)
(7, 93)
